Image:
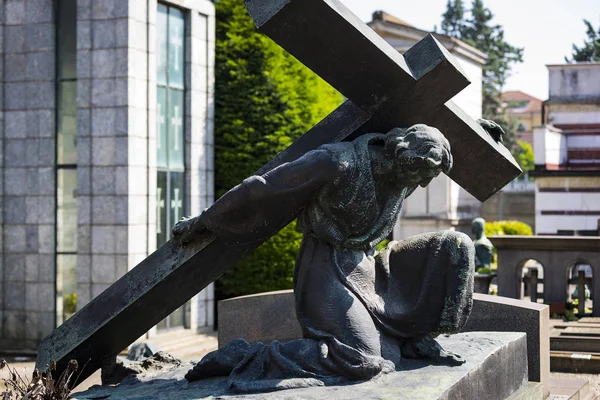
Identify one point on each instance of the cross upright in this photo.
(383, 90)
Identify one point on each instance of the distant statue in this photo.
(360, 310)
(483, 247)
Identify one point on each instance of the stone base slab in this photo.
(496, 368)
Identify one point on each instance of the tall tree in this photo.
(452, 19)
(590, 51)
(478, 31)
(264, 100)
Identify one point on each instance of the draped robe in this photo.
(355, 305)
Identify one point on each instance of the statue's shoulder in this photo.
(342, 155)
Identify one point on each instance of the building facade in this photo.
(525, 110)
(106, 131)
(443, 204)
(567, 152)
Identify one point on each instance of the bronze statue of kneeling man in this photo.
(360, 310)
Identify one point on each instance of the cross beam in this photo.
(384, 90)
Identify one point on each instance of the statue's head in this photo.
(477, 227)
(421, 152)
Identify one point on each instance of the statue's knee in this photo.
(460, 246)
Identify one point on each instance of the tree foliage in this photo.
(590, 51)
(264, 100)
(523, 153)
(476, 29)
(453, 18)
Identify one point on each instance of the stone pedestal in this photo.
(496, 368)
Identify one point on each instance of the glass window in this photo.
(66, 156)
(170, 135)
(176, 137)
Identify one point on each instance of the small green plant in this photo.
(484, 270)
(570, 316)
(382, 245)
(70, 303)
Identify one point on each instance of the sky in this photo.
(546, 29)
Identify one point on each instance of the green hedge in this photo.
(264, 100)
(499, 228)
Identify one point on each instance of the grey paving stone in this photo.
(103, 268)
(15, 124)
(41, 65)
(84, 92)
(46, 267)
(14, 293)
(84, 64)
(84, 210)
(104, 121)
(84, 183)
(31, 209)
(103, 151)
(46, 235)
(16, 95)
(103, 240)
(41, 95)
(121, 244)
(32, 124)
(15, 67)
(14, 324)
(121, 151)
(39, 11)
(104, 92)
(84, 10)
(84, 34)
(14, 153)
(14, 267)
(122, 32)
(13, 181)
(47, 152)
(84, 239)
(14, 12)
(40, 37)
(98, 288)
(46, 296)
(104, 34)
(46, 181)
(84, 124)
(31, 236)
(103, 210)
(32, 148)
(104, 63)
(14, 210)
(31, 268)
(46, 323)
(14, 39)
(121, 181)
(46, 209)
(84, 268)
(106, 9)
(103, 180)
(31, 323)
(46, 120)
(31, 297)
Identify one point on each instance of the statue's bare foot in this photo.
(219, 362)
(428, 348)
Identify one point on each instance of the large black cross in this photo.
(383, 90)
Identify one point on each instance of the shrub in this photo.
(499, 228)
(264, 100)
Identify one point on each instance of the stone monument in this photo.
(384, 90)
